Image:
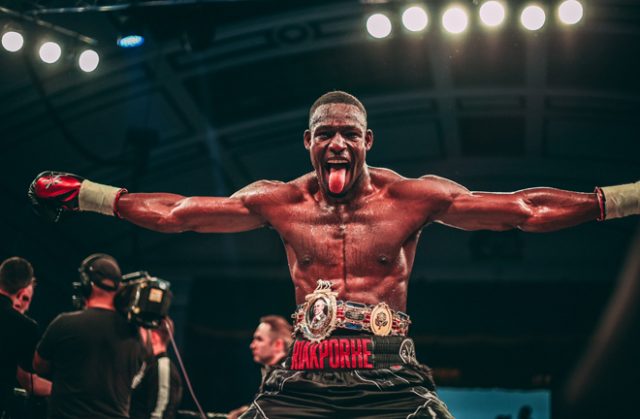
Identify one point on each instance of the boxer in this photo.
(350, 233)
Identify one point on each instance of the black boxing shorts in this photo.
(356, 377)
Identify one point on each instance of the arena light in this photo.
(379, 25)
(12, 40)
(50, 52)
(130, 40)
(415, 19)
(492, 13)
(533, 17)
(88, 60)
(570, 12)
(455, 20)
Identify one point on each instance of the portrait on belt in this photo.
(319, 315)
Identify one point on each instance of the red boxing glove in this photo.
(52, 193)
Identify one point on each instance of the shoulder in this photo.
(20, 321)
(63, 318)
(381, 176)
(271, 192)
(432, 187)
(68, 320)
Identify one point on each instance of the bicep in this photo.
(170, 213)
(215, 215)
(452, 204)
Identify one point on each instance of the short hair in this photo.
(280, 328)
(16, 273)
(337, 96)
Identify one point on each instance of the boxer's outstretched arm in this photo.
(171, 213)
(54, 193)
(535, 210)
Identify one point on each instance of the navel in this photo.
(305, 260)
(383, 260)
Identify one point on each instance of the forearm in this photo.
(549, 209)
(33, 383)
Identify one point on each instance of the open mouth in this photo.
(336, 172)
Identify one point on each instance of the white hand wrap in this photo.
(97, 198)
(622, 200)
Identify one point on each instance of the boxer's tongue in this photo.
(337, 178)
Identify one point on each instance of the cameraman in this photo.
(18, 333)
(93, 355)
(160, 391)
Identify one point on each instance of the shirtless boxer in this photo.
(355, 228)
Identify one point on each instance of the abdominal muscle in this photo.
(390, 289)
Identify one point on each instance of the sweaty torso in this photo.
(365, 247)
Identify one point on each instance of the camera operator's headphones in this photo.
(96, 269)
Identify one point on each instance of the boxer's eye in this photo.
(324, 135)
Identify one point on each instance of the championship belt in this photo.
(319, 313)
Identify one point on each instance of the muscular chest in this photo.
(376, 230)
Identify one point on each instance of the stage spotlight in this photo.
(88, 60)
(532, 17)
(50, 52)
(131, 30)
(12, 41)
(415, 19)
(492, 13)
(455, 20)
(379, 26)
(130, 41)
(570, 12)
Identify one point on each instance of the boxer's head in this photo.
(271, 340)
(338, 141)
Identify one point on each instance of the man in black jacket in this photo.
(18, 333)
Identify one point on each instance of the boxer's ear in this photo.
(307, 139)
(368, 139)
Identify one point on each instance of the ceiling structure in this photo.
(218, 97)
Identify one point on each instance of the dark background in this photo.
(218, 97)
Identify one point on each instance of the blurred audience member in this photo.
(23, 298)
(18, 333)
(271, 341)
